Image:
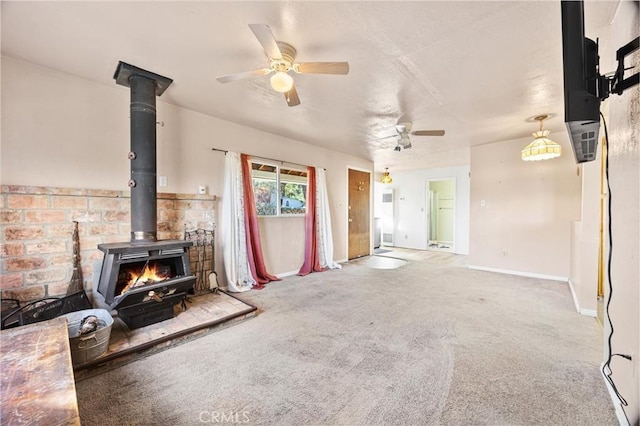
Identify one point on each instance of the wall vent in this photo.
(388, 225)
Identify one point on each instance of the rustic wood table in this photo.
(37, 386)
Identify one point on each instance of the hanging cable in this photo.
(606, 367)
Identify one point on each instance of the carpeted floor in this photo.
(427, 343)
(381, 251)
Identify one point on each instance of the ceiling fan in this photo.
(281, 57)
(404, 130)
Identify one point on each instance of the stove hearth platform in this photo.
(205, 313)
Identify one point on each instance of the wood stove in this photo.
(143, 279)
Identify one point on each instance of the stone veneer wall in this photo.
(36, 224)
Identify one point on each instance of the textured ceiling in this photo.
(478, 70)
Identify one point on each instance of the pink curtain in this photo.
(254, 249)
(311, 255)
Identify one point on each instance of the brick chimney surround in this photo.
(37, 225)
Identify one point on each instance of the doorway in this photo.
(359, 215)
(441, 202)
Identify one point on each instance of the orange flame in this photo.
(149, 275)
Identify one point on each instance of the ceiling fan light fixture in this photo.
(281, 82)
(404, 141)
(386, 177)
(542, 148)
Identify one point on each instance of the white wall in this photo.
(410, 199)
(624, 175)
(585, 240)
(524, 225)
(63, 131)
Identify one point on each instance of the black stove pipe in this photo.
(145, 86)
(144, 198)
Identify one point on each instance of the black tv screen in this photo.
(580, 71)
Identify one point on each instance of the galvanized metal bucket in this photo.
(89, 346)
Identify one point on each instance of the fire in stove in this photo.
(152, 272)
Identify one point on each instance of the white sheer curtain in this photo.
(234, 242)
(323, 222)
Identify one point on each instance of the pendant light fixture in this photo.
(386, 178)
(542, 148)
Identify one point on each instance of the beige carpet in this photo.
(427, 343)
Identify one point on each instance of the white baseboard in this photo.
(520, 273)
(574, 296)
(581, 311)
(589, 312)
(622, 417)
(287, 274)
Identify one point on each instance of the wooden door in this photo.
(359, 216)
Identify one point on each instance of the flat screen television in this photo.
(580, 71)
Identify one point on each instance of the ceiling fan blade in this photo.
(292, 97)
(243, 75)
(385, 137)
(428, 133)
(267, 40)
(322, 67)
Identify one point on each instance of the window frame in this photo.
(279, 194)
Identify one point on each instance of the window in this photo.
(265, 188)
(279, 191)
(293, 191)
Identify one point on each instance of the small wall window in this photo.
(279, 191)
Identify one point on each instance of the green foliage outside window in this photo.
(266, 196)
(277, 187)
(294, 198)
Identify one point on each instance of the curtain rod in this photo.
(266, 158)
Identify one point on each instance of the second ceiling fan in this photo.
(281, 57)
(404, 130)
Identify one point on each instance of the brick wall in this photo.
(37, 223)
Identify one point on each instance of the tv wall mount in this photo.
(616, 83)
